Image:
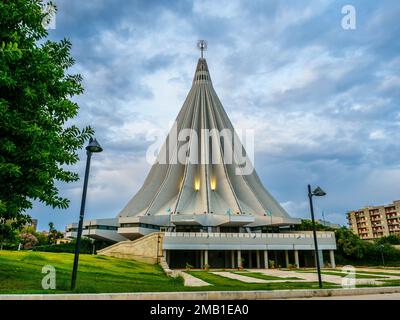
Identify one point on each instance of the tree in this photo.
(393, 239)
(7, 234)
(35, 91)
(306, 225)
(28, 240)
(348, 244)
(42, 238)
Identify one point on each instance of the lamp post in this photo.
(92, 147)
(319, 193)
(383, 259)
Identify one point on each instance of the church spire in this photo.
(202, 45)
(201, 75)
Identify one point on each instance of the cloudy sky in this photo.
(324, 101)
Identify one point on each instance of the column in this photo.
(332, 256)
(250, 259)
(287, 258)
(239, 258)
(196, 259)
(296, 258)
(266, 262)
(258, 258)
(233, 259)
(321, 258)
(205, 257)
(201, 259)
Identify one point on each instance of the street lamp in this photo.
(92, 147)
(319, 193)
(383, 259)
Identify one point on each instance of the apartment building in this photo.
(375, 221)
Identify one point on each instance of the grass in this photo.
(21, 272)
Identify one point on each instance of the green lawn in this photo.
(21, 272)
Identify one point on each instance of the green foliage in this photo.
(29, 229)
(8, 236)
(35, 91)
(86, 247)
(348, 244)
(271, 264)
(27, 240)
(188, 266)
(391, 239)
(352, 250)
(42, 238)
(306, 225)
(54, 234)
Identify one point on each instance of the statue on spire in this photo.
(202, 45)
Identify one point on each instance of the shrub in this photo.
(86, 247)
(188, 266)
(271, 264)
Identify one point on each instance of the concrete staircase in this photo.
(146, 249)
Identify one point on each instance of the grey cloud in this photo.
(324, 100)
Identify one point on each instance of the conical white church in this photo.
(202, 203)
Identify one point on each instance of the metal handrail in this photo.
(320, 234)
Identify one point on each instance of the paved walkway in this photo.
(311, 276)
(191, 281)
(239, 277)
(361, 270)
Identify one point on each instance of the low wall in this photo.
(146, 249)
(207, 295)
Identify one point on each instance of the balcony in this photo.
(71, 234)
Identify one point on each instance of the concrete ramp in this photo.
(145, 249)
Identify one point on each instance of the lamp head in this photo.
(94, 146)
(319, 192)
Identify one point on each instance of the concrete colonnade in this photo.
(252, 258)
